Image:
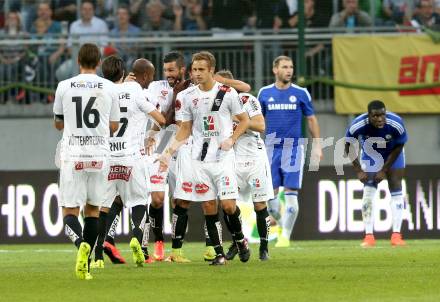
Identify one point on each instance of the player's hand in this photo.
(197, 10)
(379, 176)
(362, 176)
(150, 145)
(164, 161)
(317, 154)
(130, 77)
(177, 10)
(219, 79)
(227, 144)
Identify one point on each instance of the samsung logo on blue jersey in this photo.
(281, 106)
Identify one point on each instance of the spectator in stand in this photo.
(104, 9)
(437, 6)
(89, 28)
(48, 53)
(64, 10)
(189, 16)
(230, 14)
(12, 56)
(425, 16)
(311, 19)
(44, 16)
(398, 12)
(351, 16)
(124, 28)
(377, 14)
(137, 12)
(155, 21)
(27, 9)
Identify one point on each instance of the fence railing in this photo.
(32, 70)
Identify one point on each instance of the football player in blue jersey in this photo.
(284, 105)
(381, 135)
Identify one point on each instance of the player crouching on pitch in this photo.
(382, 136)
(207, 111)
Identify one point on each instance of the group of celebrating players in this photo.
(110, 155)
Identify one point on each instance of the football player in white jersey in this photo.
(207, 113)
(143, 74)
(182, 191)
(127, 169)
(253, 170)
(86, 107)
(161, 93)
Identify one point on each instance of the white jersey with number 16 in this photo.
(88, 104)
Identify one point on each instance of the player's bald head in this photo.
(142, 67)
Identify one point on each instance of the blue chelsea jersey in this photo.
(393, 132)
(283, 110)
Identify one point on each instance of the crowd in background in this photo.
(135, 16)
(131, 18)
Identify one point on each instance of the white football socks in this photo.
(290, 214)
(273, 207)
(368, 208)
(397, 207)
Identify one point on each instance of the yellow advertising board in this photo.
(400, 61)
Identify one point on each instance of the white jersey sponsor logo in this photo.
(210, 128)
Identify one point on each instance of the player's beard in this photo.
(172, 81)
(286, 81)
(175, 80)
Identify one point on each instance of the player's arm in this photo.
(236, 84)
(58, 108)
(353, 157)
(171, 113)
(182, 135)
(237, 114)
(315, 131)
(114, 113)
(392, 157)
(350, 139)
(257, 123)
(243, 125)
(253, 108)
(159, 118)
(59, 121)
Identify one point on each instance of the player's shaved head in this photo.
(142, 66)
(143, 70)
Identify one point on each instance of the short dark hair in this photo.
(226, 73)
(174, 56)
(124, 6)
(204, 56)
(375, 105)
(278, 59)
(45, 2)
(89, 55)
(113, 68)
(88, 1)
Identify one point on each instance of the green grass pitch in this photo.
(308, 271)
